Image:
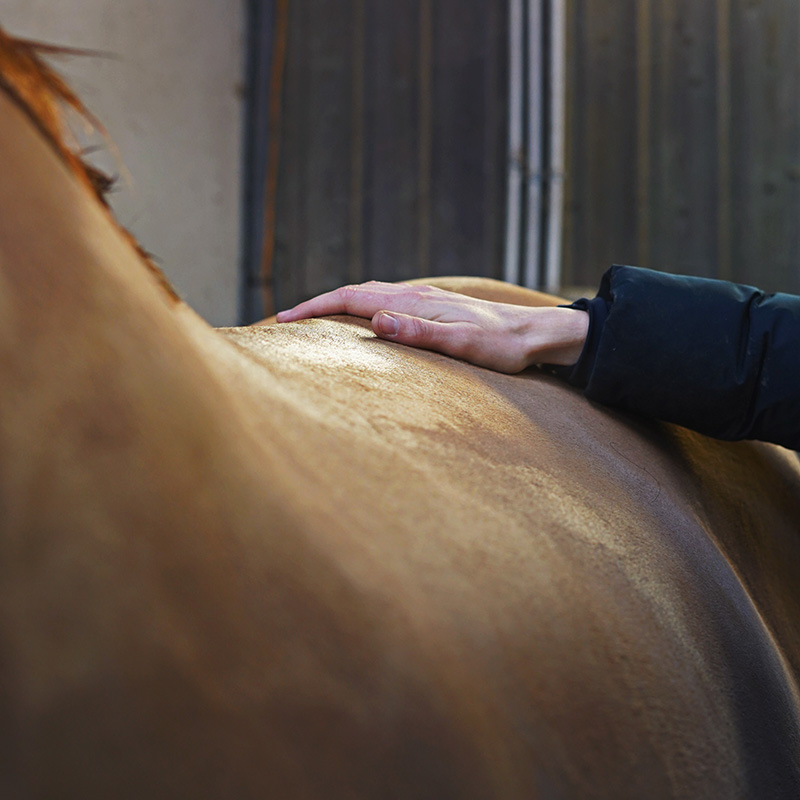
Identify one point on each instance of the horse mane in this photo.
(46, 99)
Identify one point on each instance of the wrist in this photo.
(557, 336)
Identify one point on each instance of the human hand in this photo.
(499, 336)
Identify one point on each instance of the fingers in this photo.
(335, 302)
(364, 300)
(451, 338)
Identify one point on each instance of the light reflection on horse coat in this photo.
(298, 561)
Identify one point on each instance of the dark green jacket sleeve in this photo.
(717, 357)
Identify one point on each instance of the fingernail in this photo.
(388, 324)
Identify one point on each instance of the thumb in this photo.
(418, 332)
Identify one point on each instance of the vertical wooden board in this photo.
(460, 172)
(644, 128)
(290, 225)
(683, 143)
(765, 143)
(575, 206)
(391, 155)
(744, 133)
(496, 157)
(325, 166)
(724, 165)
(425, 134)
(602, 164)
(787, 278)
(356, 262)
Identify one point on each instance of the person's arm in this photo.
(713, 356)
(717, 357)
(499, 336)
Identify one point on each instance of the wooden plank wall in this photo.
(393, 143)
(684, 139)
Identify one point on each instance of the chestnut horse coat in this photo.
(300, 562)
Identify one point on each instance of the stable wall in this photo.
(171, 98)
(684, 139)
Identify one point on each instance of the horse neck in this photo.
(99, 365)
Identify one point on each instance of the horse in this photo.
(300, 561)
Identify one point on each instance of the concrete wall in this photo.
(171, 99)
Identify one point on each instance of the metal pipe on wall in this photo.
(533, 216)
(537, 107)
(515, 141)
(558, 88)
